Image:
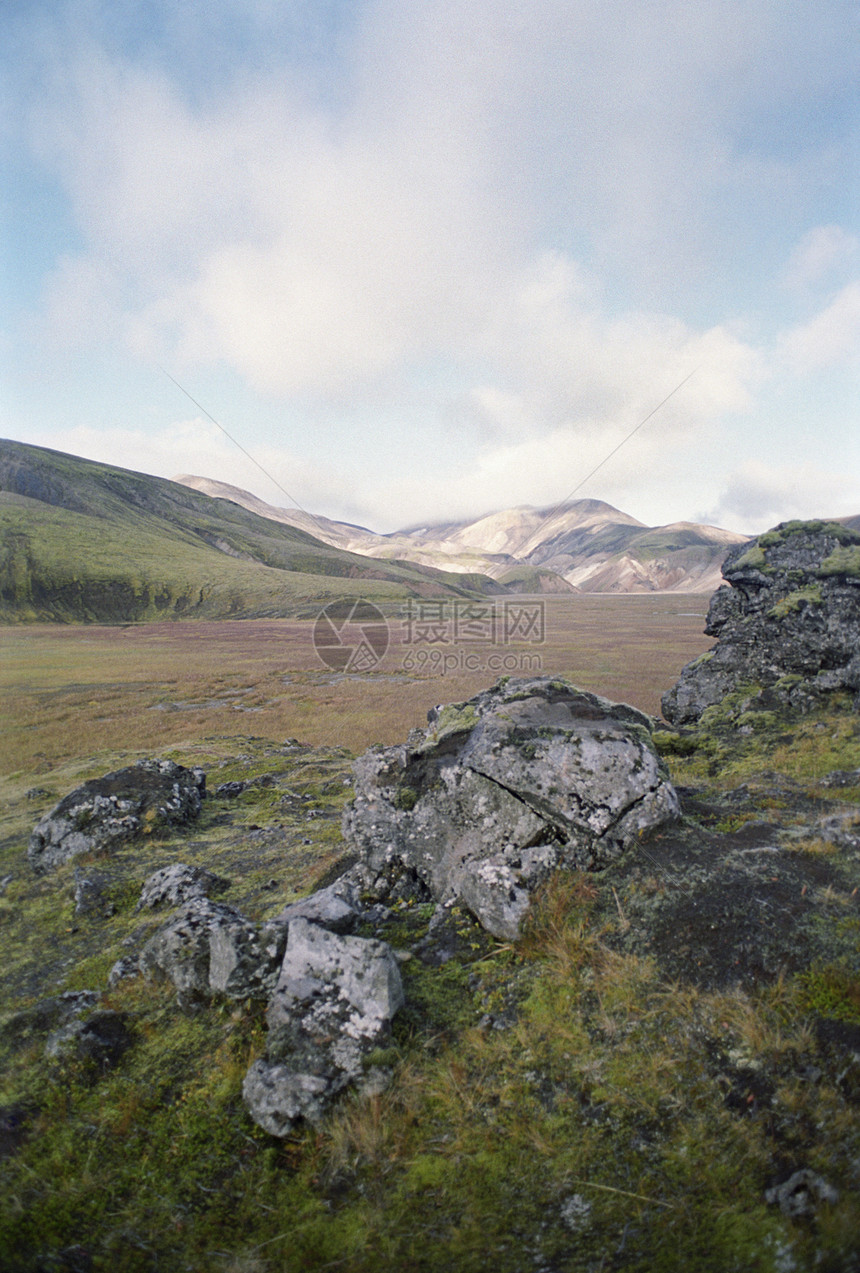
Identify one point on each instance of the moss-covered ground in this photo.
(617, 1091)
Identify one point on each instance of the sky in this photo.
(427, 259)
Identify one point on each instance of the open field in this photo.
(76, 691)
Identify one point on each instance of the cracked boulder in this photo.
(106, 812)
(498, 792)
(332, 1006)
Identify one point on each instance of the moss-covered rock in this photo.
(789, 619)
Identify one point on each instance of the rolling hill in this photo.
(81, 541)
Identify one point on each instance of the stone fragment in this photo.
(124, 968)
(177, 883)
(277, 1097)
(332, 1005)
(46, 1015)
(209, 948)
(336, 907)
(245, 958)
(100, 1038)
(802, 1194)
(360, 973)
(91, 895)
(179, 951)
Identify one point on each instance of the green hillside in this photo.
(81, 541)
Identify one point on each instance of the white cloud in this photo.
(521, 206)
(822, 251)
(758, 495)
(831, 338)
(198, 447)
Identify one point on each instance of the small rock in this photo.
(802, 1193)
(46, 1015)
(123, 969)
(209, 948)
(172, 885)
(842, 778)
(332, 1006)
(90, 896)
(229, 790)
(576, 1213)
(336, 907)
(101, 1039)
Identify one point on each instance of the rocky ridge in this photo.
(585, 545)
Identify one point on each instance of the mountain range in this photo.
(84, 541)
(584, 545)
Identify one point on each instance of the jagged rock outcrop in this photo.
(788, 624)
(108, 811)
(332, 1006)
(500, 791)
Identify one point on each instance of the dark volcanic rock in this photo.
(789, 623)
(501, 790)
(100, 1039)
(108, 811)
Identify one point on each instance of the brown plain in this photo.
(74, 692)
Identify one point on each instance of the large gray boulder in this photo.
(106, 812)
(332, 1006)
(788, 623)
(500, 791)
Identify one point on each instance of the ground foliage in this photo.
(612, 1093)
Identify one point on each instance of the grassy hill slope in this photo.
(633, 1087)
(81, 541)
